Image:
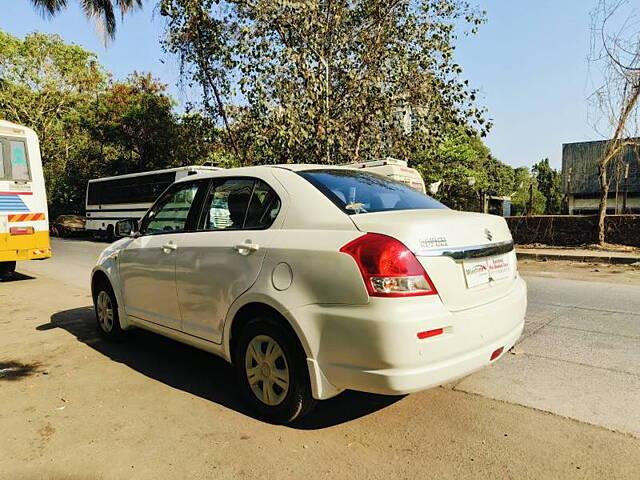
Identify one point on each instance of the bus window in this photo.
(19, 165)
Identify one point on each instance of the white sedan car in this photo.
(314, 279)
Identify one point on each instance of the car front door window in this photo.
(171, 212)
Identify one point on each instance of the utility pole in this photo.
(568, 194)
(530, 209)
(626, 187)
(617, 186)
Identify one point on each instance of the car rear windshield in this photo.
(356, 191)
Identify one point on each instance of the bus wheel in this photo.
(7, 269)
(111, 236)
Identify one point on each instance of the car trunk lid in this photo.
(468, 256)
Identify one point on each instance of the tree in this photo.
(324, 81)
(46, 85)
(135, 118)
(550, 185)
(43, 81)
(90, 126)
(616, 53)
(456, 169)
(103, 11)
(527, 198)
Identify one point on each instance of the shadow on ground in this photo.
(11, 370)
(200, 373)
(15, 277)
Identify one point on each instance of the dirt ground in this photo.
(595, 272)
(76, 407)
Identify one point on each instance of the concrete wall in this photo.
(573, 230)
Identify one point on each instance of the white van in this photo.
(394, 169)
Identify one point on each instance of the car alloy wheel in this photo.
(267, 370)
(104, 309)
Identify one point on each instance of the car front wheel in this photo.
(272, 372)
(106, 308)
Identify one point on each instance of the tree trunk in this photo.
(604, 189)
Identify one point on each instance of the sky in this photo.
(529, 62)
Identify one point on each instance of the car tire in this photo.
(7, 269)
(269, 354)
(106, 309)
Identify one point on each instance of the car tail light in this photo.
(388, 267)
(21, 231)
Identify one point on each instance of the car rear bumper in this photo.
(398, 381)
(375, 348)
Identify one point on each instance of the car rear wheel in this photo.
(272, 372)
(7, 269)
(106, 308)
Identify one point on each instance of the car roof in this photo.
(241, 171)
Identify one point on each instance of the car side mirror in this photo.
(127, 228)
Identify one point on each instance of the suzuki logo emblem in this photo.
(487, 233)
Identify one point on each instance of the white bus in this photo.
(24, 220)
(111, 199)
(394, 169)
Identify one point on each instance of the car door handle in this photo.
(246, 248)
(169, 247)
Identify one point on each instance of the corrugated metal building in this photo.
(581, 184)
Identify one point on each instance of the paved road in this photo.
(153, 408)
(579, 356)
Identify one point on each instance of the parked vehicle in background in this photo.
(24, 224)
(68, 225)
(313, 279)
(395, 169)
(110, 199)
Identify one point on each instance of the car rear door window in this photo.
(263, 208)
(239, 204)
(226, 204)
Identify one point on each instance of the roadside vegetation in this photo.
(280, 82)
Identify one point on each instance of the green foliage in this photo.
(326, 82)
(43, 81)
(90, 126)
(527, 199)
(550, 185)
(272, 63)
(133, 122)
(466, 171)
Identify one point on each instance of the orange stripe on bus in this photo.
(26, 217)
